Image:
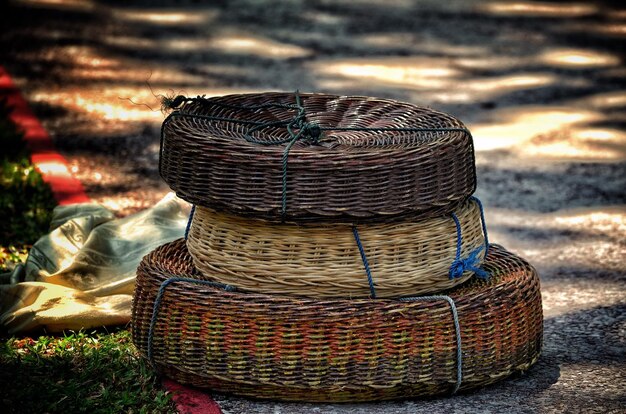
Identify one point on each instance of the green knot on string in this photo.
(299, 129)
(308, 131)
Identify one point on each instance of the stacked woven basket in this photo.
(335, 253)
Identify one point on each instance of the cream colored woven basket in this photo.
(405, 258)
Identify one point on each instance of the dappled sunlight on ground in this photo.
(321, 18)
(109, 104)
(517, 126)
(215, 69)
(557, 302)
(415, 73)
(610, 219)
(578, 58)
(119, 109)
(247, 44)
(539, 9)
(400, 4)
(617, 30)
(107, 111)
(579, 144)
(78, 57)
(86, 63)
(477, 89)
(569, 132)
(487, 62)
(436, 78)
(593, 220)
(157, 75)
(606, 100)
(411, 40)
(562, 58)
(167, 17)
(228, 42)
(136, 43)
(86, 57)
(82, 5)
(568, 243)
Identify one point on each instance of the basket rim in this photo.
(192, 106)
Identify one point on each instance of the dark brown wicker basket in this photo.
(288, 348)
(345, 175)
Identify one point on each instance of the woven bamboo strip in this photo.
(346, 175)
(286, 348)
(406, 258)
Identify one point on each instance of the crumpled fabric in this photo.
(82, 274)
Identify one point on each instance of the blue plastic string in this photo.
(193, 210)
(370, 280)
(457, 331)
(459, 266)
(159, 298)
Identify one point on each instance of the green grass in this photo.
(95, 372)
(92, 372)
(26, 202)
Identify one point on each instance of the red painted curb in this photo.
(190, 400)
(52, 165)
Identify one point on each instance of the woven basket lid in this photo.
(373, 158)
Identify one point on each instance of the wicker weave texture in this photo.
(406, 258)
(287, 348)
(346, 175)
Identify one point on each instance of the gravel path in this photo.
(542, 86)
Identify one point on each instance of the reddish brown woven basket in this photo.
(347, 174)
(288, 348)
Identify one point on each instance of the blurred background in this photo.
(541, 85)
(534, 81)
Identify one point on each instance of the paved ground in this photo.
(541, 85)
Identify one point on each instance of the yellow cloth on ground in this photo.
(82, 274)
